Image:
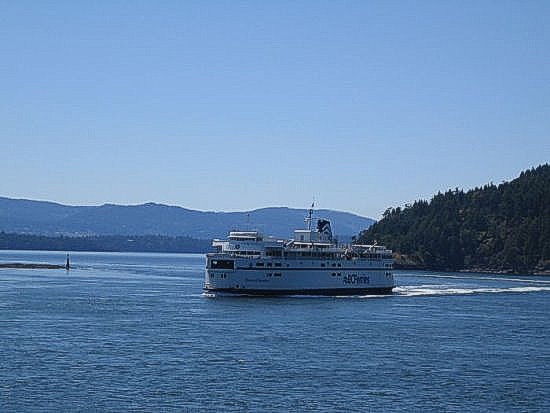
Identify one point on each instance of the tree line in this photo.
(104, 243)
(502, 227)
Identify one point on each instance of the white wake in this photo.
(414, 291)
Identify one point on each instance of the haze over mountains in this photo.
(49, 218)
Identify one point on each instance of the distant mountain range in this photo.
(49, 218)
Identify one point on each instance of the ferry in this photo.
(311, 263)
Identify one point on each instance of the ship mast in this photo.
(308, 219)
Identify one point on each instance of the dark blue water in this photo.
(133, 332)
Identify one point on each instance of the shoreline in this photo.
(397, 266)
(32, 266)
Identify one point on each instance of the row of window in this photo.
(323, 265)
(240, 253)
(269, 264)
(274, 274)
(294, 254)
(377, 256)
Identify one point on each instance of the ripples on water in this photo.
(133, 332)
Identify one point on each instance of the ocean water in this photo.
(133, 332)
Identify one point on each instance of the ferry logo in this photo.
(355, 279)
(323, 226)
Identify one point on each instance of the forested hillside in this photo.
(493, 228)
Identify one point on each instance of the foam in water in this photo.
(413, 291)
(459, 277)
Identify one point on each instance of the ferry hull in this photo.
(301, 280)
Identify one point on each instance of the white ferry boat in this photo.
(311, 263)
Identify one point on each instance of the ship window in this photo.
(259, 264)
(277, 264)
(322, 264)
(277, 274)
(339, 264)
(269, 274)
(222, 264)
(269, 264)
(339, 274)
(333, 264)
(333, 274)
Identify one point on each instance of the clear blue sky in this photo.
(239, 105)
